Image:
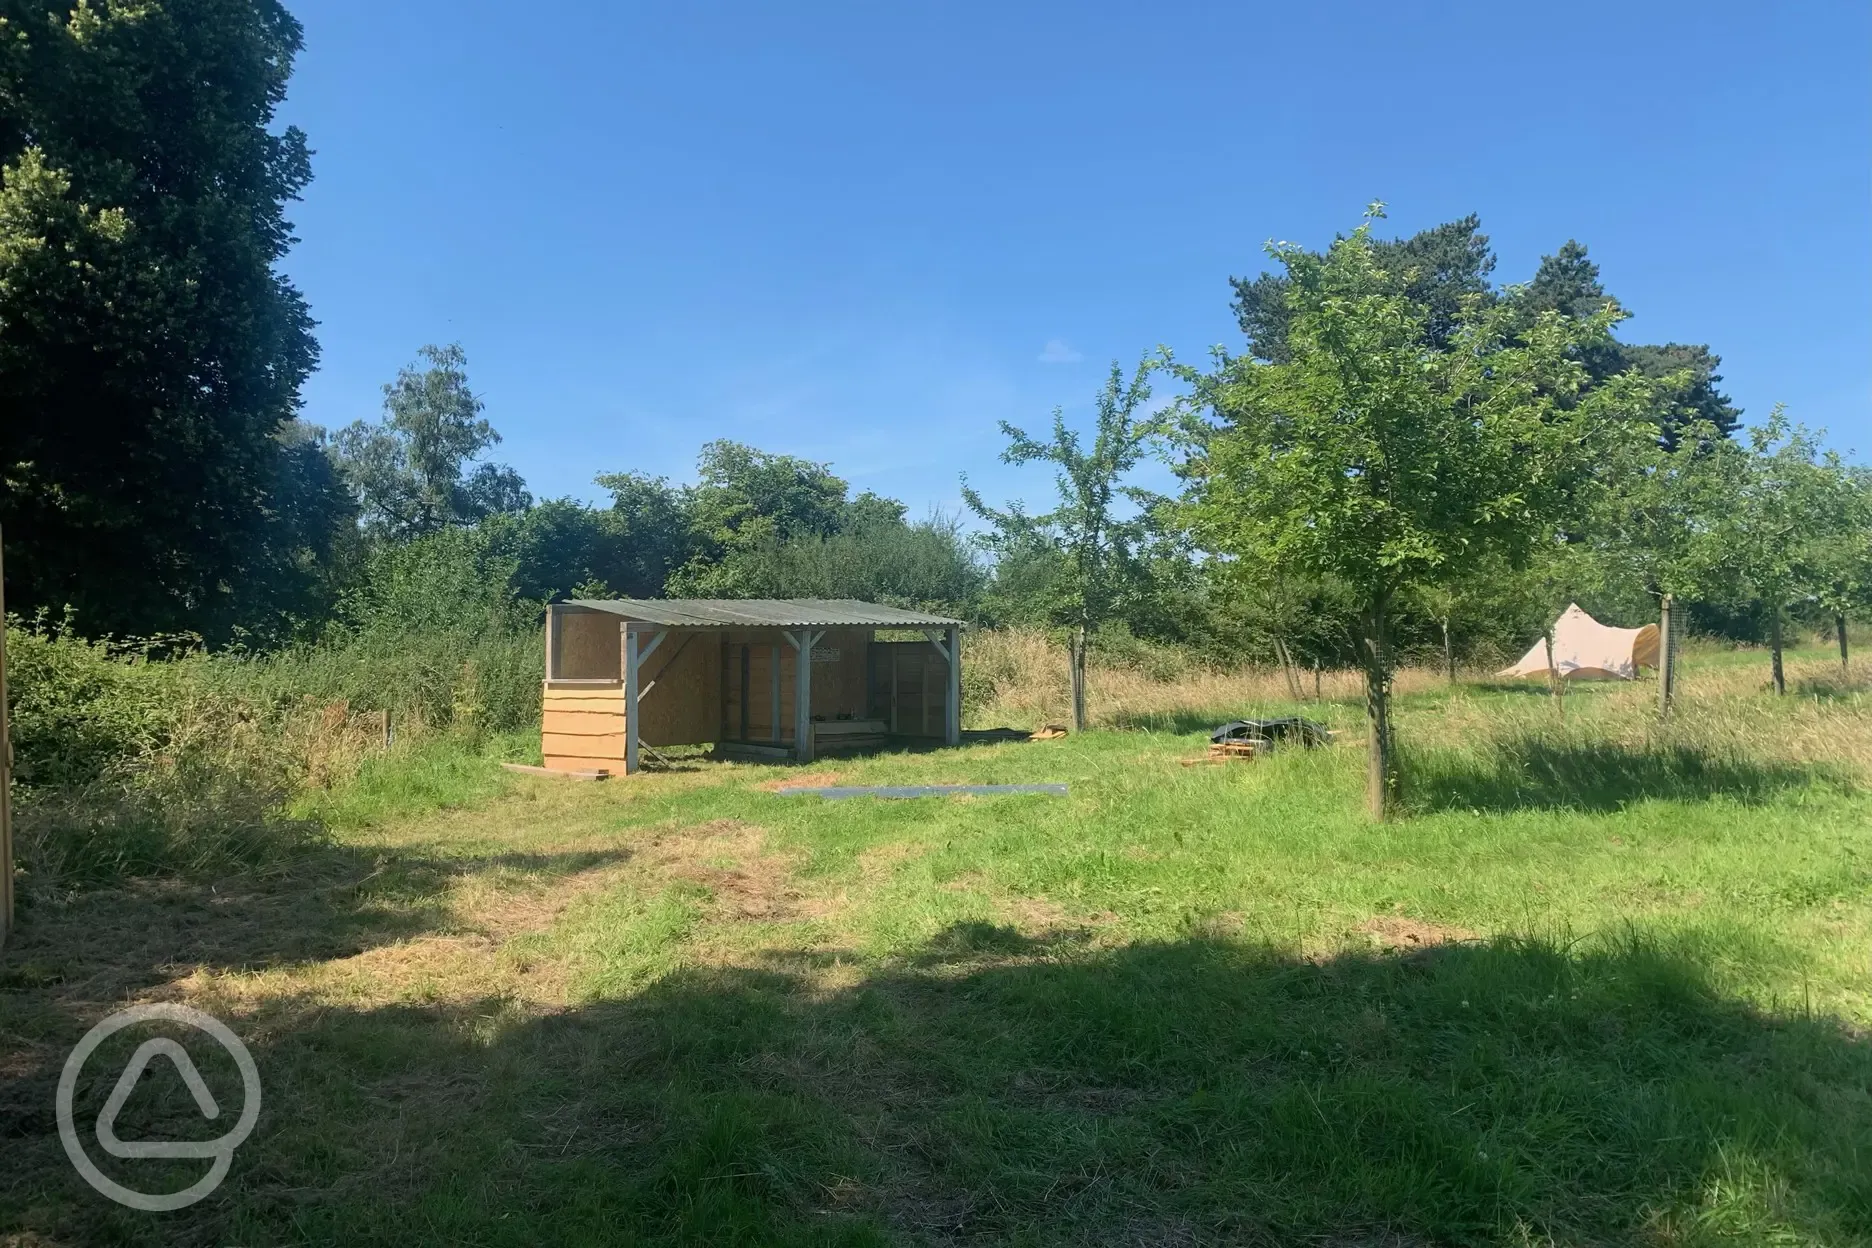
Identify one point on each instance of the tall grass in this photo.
(132, 766)
(1020, 678)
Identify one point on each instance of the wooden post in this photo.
(6, 776)
(1449, 652)
(1839, 629)
(1078, 680)
(1667, 657)
(803, 643)
(923, 696)
(630, 701)
(1316, 680)
(952, 701)
(747, 698)
(895, 650)
(773, 661)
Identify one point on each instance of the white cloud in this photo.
(1057, 352)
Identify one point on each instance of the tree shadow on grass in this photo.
(1530, 773)
(1834, 686)
(274, 892)
(1186, 723)
(998, 1089)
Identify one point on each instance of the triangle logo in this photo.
(126, 1084)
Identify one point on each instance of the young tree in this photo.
(1840, 562)
(415, 471)
(1787, 502)
(1378, 457)
(1091, 542)
(1652, 527)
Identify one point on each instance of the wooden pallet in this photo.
(1229, 752)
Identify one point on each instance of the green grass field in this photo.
(1607, 983)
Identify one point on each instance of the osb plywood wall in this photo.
(683, 705)
(587, 645)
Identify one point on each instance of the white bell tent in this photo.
(1585, 649)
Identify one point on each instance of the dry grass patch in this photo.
(809, 780)
(730, 858)
(1399, 932)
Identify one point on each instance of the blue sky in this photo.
(866, 233)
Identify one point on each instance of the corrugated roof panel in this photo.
(764, 613)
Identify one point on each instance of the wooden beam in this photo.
(952, 692)
(643, 655)
(631, 716)
(596, 773)
(935, 639)
(747, 702)
(774, 659)
(552, 632)
(802, 692)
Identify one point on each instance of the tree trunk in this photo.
(1449, 655)
(1380, 775)
(1288, 669)
(1078, 680)
(1667, 658)
(1779, 677)
(1556, 686)
(1839, 630)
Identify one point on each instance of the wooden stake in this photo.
(1078, 680)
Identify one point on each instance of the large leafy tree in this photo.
(1381, 457)
(1090, 541)
(150, 351)
(1444, 269)
(1686, 392)
(419, 470)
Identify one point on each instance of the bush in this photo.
(81, 712)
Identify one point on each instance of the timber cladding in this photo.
(582, 727)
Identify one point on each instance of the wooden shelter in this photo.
(762, 677)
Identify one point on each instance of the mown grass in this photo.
(1608, 982)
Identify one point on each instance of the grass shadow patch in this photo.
(1541, 773)
(1510, 1092)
